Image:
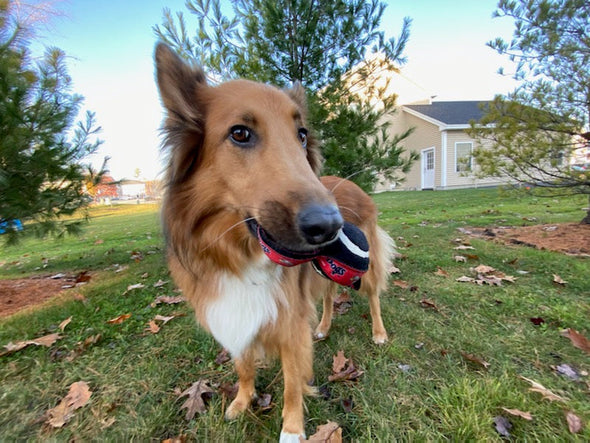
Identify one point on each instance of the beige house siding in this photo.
(425, 135)
(430, 133)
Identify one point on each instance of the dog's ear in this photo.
(297, 94)
(314, 156)
(178, 84)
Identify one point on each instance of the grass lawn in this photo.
(455, 358)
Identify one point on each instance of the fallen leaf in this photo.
(347, 404)
(163, 318)
(393, 270)
(557, 279)
(472, 257)
(133, 287)
(339, 362)
(577, 339)
(460, 259)
(64, 323)
(503, 426)
(83, 277)
(441, 272)
(137, 256)
(483, 269)
(264, 402)
(401, 284)
(426, 303)
(537, 321)
(342, 303)
(574, 423)
(475, 359)
(229, 390)
(567, 371)
(465, 279)
(222, 357)
(152, 327)
(197, 394)
(177, 439)
(46, 340)
(518, 413)
(120, 319)
(463, 248)
(99, 242)
(331, 432)
(160, 283)
(78, 396)
(343, 369)
(546, 393)
(168, 300)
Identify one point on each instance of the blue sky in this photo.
(110, 45)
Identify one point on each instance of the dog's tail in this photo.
(381, 253)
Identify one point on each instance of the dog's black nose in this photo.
(319, 223)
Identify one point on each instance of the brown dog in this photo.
(240, 153)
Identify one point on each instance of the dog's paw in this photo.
(288, 437)
(380, 338)
(235, 409)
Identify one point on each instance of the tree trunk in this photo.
(586, 220)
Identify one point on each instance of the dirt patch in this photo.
(567, 238)
(21, 293)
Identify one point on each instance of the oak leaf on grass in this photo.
(46, 340)
(198, 394)
(331, 432)
(77, 397)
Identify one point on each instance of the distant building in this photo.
(444, 147)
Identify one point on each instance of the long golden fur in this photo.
(216, 181)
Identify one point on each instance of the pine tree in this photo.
(334, 48)
(41, 145)
(535, 132)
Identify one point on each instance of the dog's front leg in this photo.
(296, 360)
(246, 369)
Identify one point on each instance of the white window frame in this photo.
(470, 167)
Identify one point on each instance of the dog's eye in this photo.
(241, 135)
(302, 134)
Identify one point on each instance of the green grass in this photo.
(438, 395)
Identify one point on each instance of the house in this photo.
(445, 149)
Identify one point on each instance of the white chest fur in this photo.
(244, 305)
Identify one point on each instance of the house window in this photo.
(463, 157)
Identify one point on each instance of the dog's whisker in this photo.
(342, 180)
(345, 208)
(235, 225)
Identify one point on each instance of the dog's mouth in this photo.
(277, 252)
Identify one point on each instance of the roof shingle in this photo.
(452, 112)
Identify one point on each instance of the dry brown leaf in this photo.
(119, 319)
(393, 270)
(577, 339)
(483, 269)
(160, 283)
(557, 279)
(339, 362)
(198, 393)
(342, 297)
(167, 300)
(222, 357)
(152, 327)
(331, 432)
(574, 423)
(475, 359)
(77, 397)
(164, 319)
(441, 272)
(463, 248)
(46, 340)
(460, 259)
(64, 323)
(465, 279)
(518, 413)
(546, 393)
(401, 284)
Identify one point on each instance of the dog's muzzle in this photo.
(343, 261)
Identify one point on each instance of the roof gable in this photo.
(452, 112)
